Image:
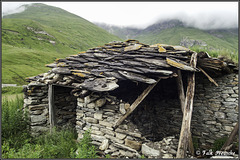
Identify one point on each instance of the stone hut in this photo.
(131, 97)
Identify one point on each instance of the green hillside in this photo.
(216, 41)
(175, 35)
(41, 34)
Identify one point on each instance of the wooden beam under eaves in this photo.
(135, 104)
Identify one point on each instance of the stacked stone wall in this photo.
(215, 113)
(36, 103)
(99, 113)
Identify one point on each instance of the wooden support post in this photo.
(51, 106)
(190, 144)
(135, 104)
(230, 138)
(187, 115)
(210, 78)
(180, 89)
(182, 102)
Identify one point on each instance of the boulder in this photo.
(148, 151)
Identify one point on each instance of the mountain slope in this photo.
(177, 33)
(39, 35)
(122, 32)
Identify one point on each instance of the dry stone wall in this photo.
(215, 110)
(98, 113)
(36, 103)
(214, 115)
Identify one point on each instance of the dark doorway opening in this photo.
(159, 115)
(64, 106)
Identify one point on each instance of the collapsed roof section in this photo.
(99, 69)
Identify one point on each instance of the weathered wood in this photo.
(180, 89)
(190, 144)
(52, 119)
(214, 64)
(180, 64)
(187, 115)
(182, 102)
(136, 103)
(230, 138)
(210, 78)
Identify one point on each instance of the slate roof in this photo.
(99, 68)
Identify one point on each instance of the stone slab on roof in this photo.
(99, 68)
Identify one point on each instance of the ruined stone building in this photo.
(98, 88)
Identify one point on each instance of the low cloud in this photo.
(211, 21)
(11, 8)
(203, 15)
(204, 20)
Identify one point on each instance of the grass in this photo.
(12, 90)
(85, 149)
(17, 141)
(218, 53)
(15, 128)
(24, 55)
(19, 63)
(217, 145)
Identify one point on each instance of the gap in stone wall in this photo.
(159, 114)
(65, 107)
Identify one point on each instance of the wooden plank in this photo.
(136, 103)
(51, 106)
(190, 144)
(187, 115)
(180, 64)
(210, 78)
(180, 89)
(230, 138)
(182, 102)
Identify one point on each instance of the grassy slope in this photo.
(76, 31)
(174, 36)
(24, 55)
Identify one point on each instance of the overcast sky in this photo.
(203, 15)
